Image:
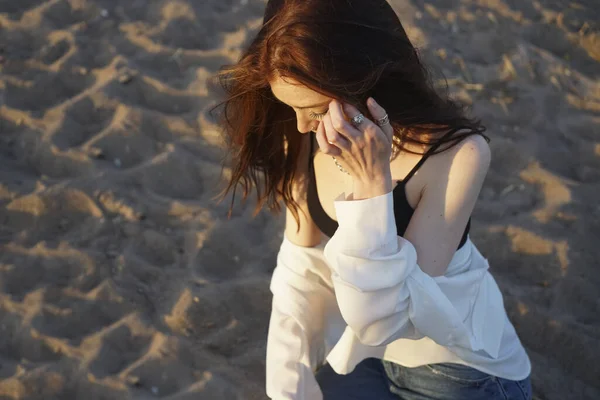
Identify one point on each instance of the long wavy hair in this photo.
(345, 49)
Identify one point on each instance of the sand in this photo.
(121, 278)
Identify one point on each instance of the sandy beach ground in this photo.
(121, 278)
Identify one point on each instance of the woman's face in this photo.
(310, 106)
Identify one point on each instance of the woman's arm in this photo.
(447, 203)
(382, 291)
(302, 295)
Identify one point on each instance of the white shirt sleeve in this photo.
(302, 296)
(383, 295)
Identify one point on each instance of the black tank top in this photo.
(403, 212)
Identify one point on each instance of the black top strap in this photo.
(428, 153)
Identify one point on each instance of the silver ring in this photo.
(358, 119)
(383, 120)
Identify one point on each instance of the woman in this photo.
(378, 292)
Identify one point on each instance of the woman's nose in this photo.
(305, 125)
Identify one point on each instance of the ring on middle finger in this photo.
(358, 119)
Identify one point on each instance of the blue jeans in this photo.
(374, 379)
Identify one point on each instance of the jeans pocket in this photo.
(459, 373)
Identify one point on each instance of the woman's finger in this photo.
(378, 114)
(333, 136)
(324, 144)
(368, 129)
(340, 123)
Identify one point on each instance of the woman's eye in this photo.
(317, 116)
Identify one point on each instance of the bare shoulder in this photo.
(472, 153)
(466, 164)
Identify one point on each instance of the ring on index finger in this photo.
(383, 120)
(357, 120)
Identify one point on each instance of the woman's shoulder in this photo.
(471, 153)
(474, 147)
(455, 176)
(470, 156)
(452, 168)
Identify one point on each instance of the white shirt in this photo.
(362, 294)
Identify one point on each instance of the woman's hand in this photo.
(363, 150)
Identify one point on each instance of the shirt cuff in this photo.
(367, 226)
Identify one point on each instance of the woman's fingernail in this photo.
(372, 102)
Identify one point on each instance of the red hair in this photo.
(345, 49)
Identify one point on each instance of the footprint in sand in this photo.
(16, 9)
(82, 120)
(45, 90)
(63, 14)
(76, 318)
(53, 215)
(117, 347)
(19, 342)
(151, 94)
